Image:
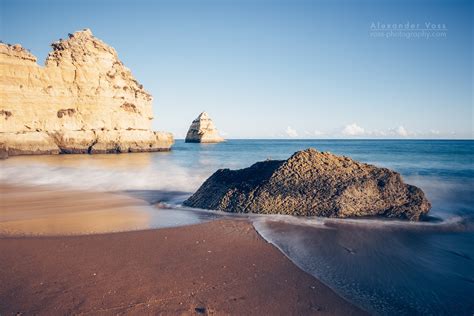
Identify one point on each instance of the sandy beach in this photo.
(236, 158)
(51, 210)
(219, 267)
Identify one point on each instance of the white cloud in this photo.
(291, 132)
(353, 130)
(401, 131)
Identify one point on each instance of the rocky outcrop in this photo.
(202, 130)
(84, 100)
(312, 183)
(3, 151)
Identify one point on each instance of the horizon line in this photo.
(377, 139)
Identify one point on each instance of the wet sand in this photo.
(45, 210)
(219, 267)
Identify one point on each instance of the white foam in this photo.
(95, 177)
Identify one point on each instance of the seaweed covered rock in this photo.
(312, 183)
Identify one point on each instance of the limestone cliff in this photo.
(84, 100)
(202, 130)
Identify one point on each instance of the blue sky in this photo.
(280, 69)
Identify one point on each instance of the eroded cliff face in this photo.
(84, 100)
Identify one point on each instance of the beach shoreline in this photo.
(218, 267)
(30, 210)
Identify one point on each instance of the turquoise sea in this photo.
(387, 267)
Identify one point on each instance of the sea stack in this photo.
(84, 100)
(202, 130)
(312, 183)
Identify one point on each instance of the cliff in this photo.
(84, 100)
(202, 130)
(312, 183)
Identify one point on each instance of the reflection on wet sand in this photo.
(125, 160)
(47, 211)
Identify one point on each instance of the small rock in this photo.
(200, 310)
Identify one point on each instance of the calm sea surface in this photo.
(386, 267)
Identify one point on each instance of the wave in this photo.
(169, 177)
(385, 267)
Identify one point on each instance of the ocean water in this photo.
(387, 267)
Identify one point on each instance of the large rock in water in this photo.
(202, 130)
(312, 183)
(84, 100)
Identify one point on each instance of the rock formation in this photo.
(84, 100)
(202, 130)
(312, 183)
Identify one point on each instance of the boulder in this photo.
(202, 130)
(312, 183)
(82, 91)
